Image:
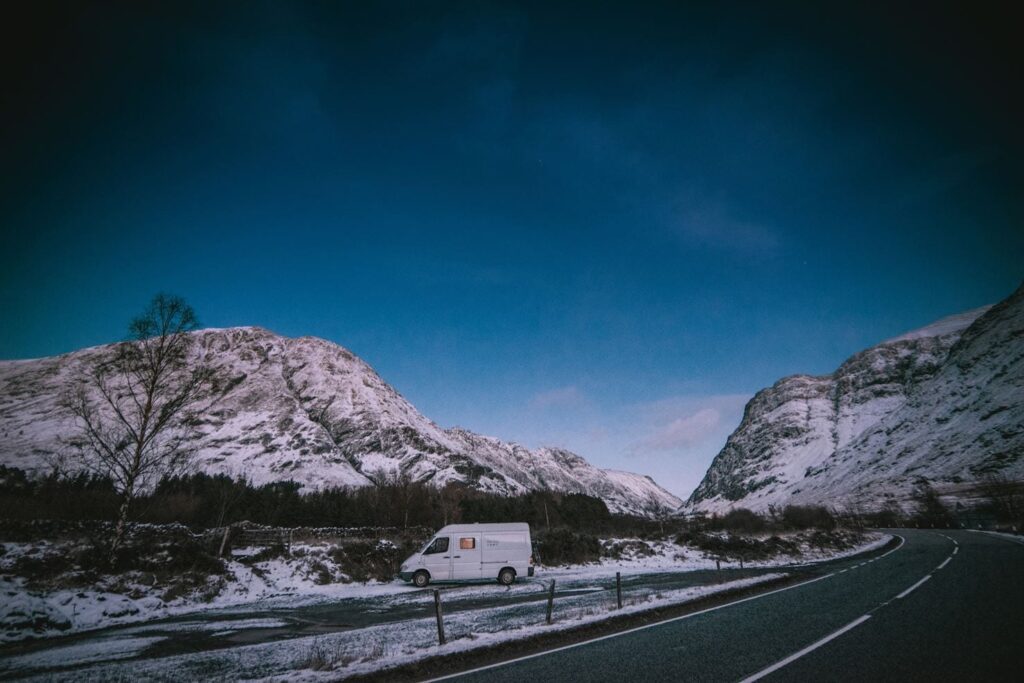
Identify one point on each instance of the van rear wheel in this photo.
(506, 577)
(420, 579)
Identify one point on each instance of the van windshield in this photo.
(438, 545)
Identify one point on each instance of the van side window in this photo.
(440, 545)
(467, 543)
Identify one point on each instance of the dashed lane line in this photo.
(810, 648)
(912, 588)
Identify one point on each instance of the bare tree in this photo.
(658, 510)
(136, 408)
(403, 490)
(449, 498)
(1004, 496)
(228, 494)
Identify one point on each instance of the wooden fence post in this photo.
(551, 599)
(440, 618)
(224, 541)
(618, 589)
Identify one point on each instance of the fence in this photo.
(245, 534)
(590, 602)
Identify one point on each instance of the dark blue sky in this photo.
(583, 225)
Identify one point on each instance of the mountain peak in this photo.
(953, 324)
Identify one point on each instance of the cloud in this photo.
(672, 439)
(562, 397)
(712, 225)
(680, 428)
(685, 431)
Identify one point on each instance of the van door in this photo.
(437, 559)
(466, 556)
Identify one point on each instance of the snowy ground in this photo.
(640, 556)
(309, 575)
(346, 653)
(260, 627)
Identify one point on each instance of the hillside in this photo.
(309, 410)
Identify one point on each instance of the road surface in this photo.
(945, 605)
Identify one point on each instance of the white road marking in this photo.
(945, 562)
(902, 541)
(810, 648)
(956, 550)
(912, 588)
(658, 623)
(626, 632)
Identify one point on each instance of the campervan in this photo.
(467, 552)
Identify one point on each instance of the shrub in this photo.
(836, 540)
(808, 516)
(628, 548)
(564, 546)
(161, 551)
(364, 560)
(739, 519)
(931, 511)
(727, 546)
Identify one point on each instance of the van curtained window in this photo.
(467, 543)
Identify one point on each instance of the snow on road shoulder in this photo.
(1016, 538)
(874, 540)
(637, 556)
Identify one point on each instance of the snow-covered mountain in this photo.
(944, 404)
(309, 410)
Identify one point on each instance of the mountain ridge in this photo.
(312, 411)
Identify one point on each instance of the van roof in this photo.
(505, 526)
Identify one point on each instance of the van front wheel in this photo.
(420, 579)
(506, 577)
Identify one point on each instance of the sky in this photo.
(596, 226)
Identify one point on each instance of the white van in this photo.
(466, 552)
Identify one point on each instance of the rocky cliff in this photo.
(943, 404)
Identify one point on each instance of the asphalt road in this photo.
(944, 605)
